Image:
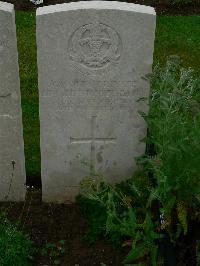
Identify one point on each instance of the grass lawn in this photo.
(175, 35)
(28, 72)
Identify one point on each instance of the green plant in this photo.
(128, 220)
(169, 185)
(16, 248)
(174, 132)
(54, 251)
(95, 214)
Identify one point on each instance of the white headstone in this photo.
(92, 59)
(12, 165)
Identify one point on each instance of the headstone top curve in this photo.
(6, 7)
(98, 5)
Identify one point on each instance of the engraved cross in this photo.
(92, 140)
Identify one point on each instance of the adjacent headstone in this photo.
(92, 60)
(12, 165)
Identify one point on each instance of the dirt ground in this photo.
(161, 6)
(50, 223)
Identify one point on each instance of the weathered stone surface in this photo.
(92, 59)
(12, 165)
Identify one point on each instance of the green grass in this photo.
(178, 35)
(29, 89)
(175, 35)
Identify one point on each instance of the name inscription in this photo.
(104, 95)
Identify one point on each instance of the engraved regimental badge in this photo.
(95, 46)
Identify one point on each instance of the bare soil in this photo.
(50, 223)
